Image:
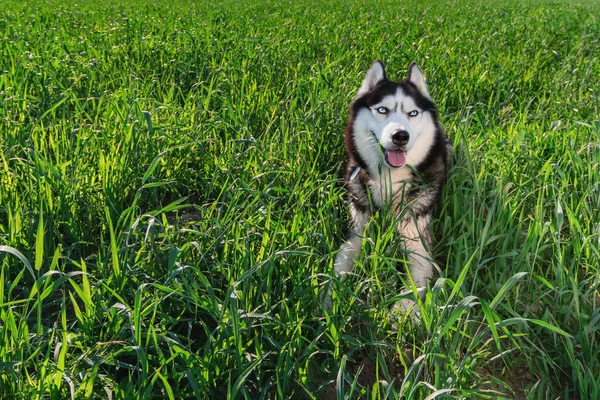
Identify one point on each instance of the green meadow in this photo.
(171, 201)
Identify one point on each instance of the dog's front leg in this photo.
(350, 250)
(417, 239)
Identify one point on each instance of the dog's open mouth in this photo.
(394, 158)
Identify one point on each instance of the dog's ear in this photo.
(416, 77)
(375, 75)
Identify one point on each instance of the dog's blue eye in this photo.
(382, 110)
(413, 113)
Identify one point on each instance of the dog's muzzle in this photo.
(395, 158)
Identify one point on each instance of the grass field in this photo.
(171, 201)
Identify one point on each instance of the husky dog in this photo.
(397, 157)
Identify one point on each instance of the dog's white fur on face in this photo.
(369, 123)
(397, 157)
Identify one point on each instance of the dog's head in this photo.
(393, 122)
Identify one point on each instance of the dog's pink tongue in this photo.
(396, 158)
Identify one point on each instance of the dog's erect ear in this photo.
(416, 77)
(375, 75)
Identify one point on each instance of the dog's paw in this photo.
(402, 309)
(406, 306)
(344, 261)
(325, 298)
(327, 302)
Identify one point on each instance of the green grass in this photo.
(171, 202)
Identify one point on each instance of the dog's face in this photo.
(392, 119)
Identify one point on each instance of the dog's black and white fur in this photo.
(397, 157)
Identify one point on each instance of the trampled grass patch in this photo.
(171, 201)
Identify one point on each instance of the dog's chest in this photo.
(391, 187)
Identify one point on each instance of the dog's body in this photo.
(397, 157)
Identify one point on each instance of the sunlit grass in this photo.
(171, 201)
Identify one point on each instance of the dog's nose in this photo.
(400, 138)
